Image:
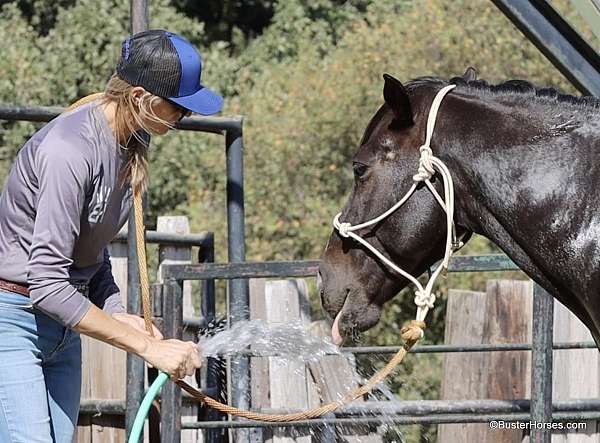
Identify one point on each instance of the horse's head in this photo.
(354, 284)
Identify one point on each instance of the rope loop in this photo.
(425, 151)
(342, 227)
(425, 170)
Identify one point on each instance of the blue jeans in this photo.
(40, 375)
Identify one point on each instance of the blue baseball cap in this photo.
(167, 65)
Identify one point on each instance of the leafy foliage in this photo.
(305, 113)
(229, 20)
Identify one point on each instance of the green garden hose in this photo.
(142, 413)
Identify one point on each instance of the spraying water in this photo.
(293, 342)
(288, 340)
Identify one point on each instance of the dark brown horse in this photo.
(526, 168)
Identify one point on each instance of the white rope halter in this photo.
(428, 164)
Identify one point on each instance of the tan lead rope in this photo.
(411, 334)
(140, 230)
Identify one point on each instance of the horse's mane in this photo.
(513, 89)
(510, 87)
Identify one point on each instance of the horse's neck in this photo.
(529, 190)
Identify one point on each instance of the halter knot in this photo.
(413, 331)
(342, 227)
(425, 170)
(424, 298)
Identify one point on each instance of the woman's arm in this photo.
(175, 357)
(63, 176)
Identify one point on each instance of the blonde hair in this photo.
(130, 114)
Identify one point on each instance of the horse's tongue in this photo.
(335, 330)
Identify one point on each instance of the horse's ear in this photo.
(470, 74)
(396, 97)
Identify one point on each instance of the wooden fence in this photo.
(503, 314)
(279, 383)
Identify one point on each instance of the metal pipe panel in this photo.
(557, 40)
(218, 125)
(202, 239)
(404, 420)
(430, 349)
(427, 349)
(400, 407)
(238, 288)
(170, 411)
(208, 307)
(139, 16)
(29, 113)
(46, 113)
(438, 407)
(102, 407)
(135, 365)
(238, 270)
(541, 363)
(308, 268)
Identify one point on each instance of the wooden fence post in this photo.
(103, 369)
(576, 372)
(501, 315)
(335, 376)
(180, 255)
(505, 317)
(277, 382)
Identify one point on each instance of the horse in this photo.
(525, 162)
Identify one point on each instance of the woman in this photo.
(68, 194)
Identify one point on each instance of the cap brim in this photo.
(204, 102)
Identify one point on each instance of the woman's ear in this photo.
(137, 93)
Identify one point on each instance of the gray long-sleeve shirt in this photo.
(62, 204)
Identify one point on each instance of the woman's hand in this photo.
(175, 357)
(137, 322)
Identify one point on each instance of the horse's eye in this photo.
(359, 170)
